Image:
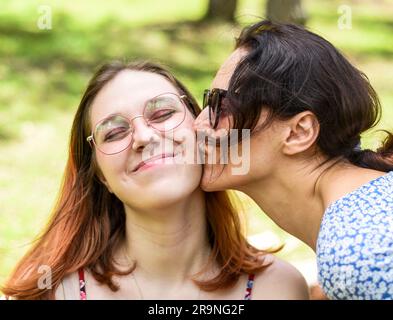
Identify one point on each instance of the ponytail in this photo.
(381, 160)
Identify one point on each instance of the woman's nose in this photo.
(203, 127)
(143, 134)
(202, 123)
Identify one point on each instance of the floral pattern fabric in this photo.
(250, 284)
(355, 243)
(82, 285)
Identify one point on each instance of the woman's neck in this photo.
(294, 198)
(169, 244)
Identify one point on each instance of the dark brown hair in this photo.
(288, 70)
(88, 222)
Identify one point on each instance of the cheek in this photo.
(181, 180)
(189, 121)
(251, 161)
(227, 173)
(225, 123)
(184, 138)
(202, 121)
(111, 166)
(162, 188)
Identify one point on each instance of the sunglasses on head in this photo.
(213, 99)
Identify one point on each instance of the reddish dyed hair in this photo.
(88, 222)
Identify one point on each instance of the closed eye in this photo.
(116, 134)
(162, 115)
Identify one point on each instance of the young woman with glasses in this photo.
(306, 107)
(131, 221)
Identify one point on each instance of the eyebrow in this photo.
(129, 115)
(108, 116)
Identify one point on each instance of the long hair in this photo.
(287, 70)
(88, 222)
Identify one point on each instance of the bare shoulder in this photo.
(279, 280)
(68, 288)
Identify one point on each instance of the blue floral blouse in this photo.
(355, 243)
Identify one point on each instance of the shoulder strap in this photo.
(250, 284)
(82, 284)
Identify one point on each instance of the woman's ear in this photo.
(302, 132)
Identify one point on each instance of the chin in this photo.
(205, 186)
(210, 184)
(218, 178)
(168, 188)
(159, 199)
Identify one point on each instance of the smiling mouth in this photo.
(152, 159)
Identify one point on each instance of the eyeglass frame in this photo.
(207, 102)
(90, 138)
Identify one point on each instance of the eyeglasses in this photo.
(214, 99)
(163, 113)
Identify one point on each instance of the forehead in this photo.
(127, 92)
(226, 70)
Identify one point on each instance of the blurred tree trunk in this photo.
(221, 10)
(286, 11)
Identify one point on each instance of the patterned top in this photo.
(83, 296)
(355, 243)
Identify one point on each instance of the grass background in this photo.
(44, 72)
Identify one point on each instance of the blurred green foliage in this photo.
(44, 72)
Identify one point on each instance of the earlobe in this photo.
(303, 131)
